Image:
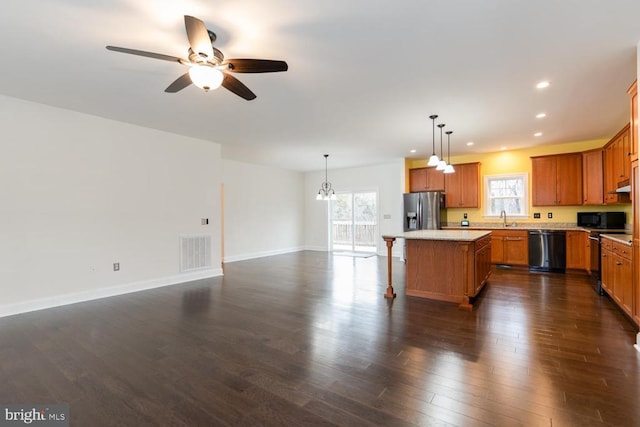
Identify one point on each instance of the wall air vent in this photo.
(195, 252)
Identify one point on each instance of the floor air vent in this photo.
(195, 252)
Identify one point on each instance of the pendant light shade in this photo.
(442, 163)
(433, 160)
(449, 168)
(326, 191)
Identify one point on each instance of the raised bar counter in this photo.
(446, 265)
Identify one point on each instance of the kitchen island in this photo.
(446, 265)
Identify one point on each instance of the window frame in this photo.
(524, 198)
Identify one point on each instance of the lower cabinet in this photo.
(483, 262)
(578, 250)
(510, 247)
(616, 271)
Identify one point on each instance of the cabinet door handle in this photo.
(618, 263)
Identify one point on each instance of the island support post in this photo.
(390, 293)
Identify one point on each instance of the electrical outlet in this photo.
(536, 215)
(549, 214)
(464, 215)
(116, 266)
(204, 221)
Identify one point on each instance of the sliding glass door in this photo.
(354, 222)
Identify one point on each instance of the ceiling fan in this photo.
(208, 68)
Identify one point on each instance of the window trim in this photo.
(525, 197)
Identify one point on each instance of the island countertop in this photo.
(451, 235)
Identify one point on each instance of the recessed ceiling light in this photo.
(469, 144)
(412, 151)
(543, 84)
(541, 115)
(537, 134)
(503, 148)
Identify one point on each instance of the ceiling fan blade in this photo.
(255, 65)
(198, 36)
(179, 83)
(236, 86)
(145, 53)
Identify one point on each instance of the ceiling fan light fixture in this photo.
(205, 77)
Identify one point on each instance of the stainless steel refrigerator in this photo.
(424, 211)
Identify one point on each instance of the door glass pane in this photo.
(354, 222)
(365, 221)
(342, 214)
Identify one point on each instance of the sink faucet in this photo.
(503, 215)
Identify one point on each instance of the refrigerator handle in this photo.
(419, 214)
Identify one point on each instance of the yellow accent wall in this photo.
(519, 161)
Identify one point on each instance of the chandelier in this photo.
(326, 192)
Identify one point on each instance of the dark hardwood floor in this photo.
(308, 339)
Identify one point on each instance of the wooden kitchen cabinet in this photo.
(617, 165)
(635, 195)
(578, 250)
(462, 188)
(633, 122)
(425, 179)
(606, 270)
(447, 270)
(557, 180)
(635, 198)
(483, 262)
(592, 177)
(510, 247)
(617, 273)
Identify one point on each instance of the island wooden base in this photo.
(453, 271)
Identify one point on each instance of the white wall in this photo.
(263, 211)
(387, 179)
(79, 193)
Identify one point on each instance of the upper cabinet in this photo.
(557, 180)
(462, 188)
(592, 177)
(425, 179)
(617, 165)
(633, 132)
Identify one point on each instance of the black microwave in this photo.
(610, 220)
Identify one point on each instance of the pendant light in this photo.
(449, 168)
(433, 160)
(326, 192)
(442, 163)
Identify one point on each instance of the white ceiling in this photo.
(364, 75)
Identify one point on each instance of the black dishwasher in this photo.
(547, 250)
